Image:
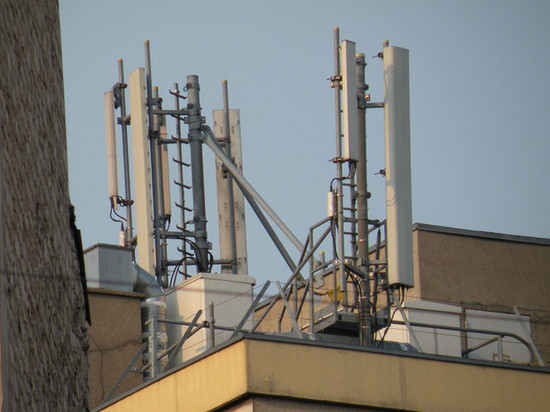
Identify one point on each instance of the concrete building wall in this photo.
(43, 328)
(114, 338)
(341, 377)
(486, 272)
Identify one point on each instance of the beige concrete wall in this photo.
(44, 365)
(301, 372)
(114, 339)
(273, 404)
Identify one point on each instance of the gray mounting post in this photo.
(365, 335)
(211, 329)
(231, 200)
(197, 173)
(126, 156)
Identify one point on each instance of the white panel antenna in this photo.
(223, 195)
(110, 135)
(398, 166)
(142, 170)
(165, 169)
(349, 95)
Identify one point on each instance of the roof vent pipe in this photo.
(152, 307)
(145, 283)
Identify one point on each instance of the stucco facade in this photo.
(43, 327)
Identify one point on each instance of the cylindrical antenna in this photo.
(110, 134)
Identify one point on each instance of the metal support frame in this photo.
(406, 320)
(305, 258)
(125, 372)
(251, 309)
(529, 338)
(295, 326)
(185, 336)
(246, 187)
(180, 181)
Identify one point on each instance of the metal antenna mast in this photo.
(230, 196)
(365, 335)
(123, 120)
(195, 141)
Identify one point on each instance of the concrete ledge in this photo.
(339, 376)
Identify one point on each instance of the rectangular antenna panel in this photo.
(165, 169)
(142, 170)
(110, 135)
(349, 100)
(398, 166)
(223, 195)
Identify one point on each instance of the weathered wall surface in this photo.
(44, 365)
(115, 337)
(487, 274)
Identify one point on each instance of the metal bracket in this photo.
(182, 341)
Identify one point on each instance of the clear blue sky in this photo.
(480, 90)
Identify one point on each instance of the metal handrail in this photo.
(470, 330)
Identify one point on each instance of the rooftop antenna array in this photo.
(366, 281)
(359, 276)
(150, 140)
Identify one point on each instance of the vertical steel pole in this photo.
(340, 191)
(162, 207)
(157, 119)
(231, 200)
(211, 330)
(311, 286)
(195, 141)
(153, 347)
(161, 277)
(125, 155)
(365, 334)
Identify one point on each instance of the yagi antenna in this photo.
(111, 147)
